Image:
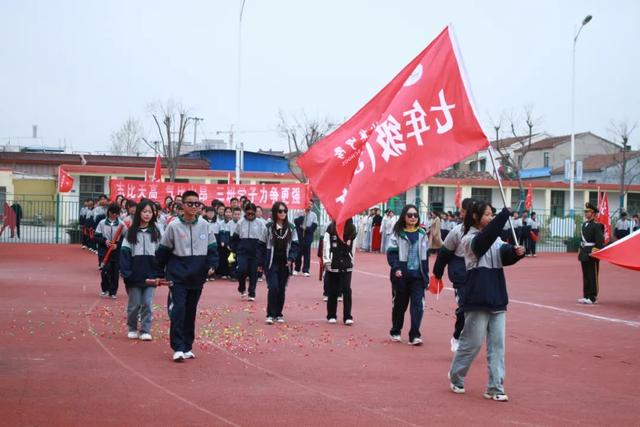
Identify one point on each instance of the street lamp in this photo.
(572, 168)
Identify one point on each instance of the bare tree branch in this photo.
(171, 114)
(126, 140)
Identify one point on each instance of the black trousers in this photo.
(457, 329)
(247, 268)
(223, 261)
(304, 257)
(183, 308)
(590, 270)
(337, 283)
(405, 291)
(110, 275)
(277, 278)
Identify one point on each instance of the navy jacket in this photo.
(137, 260)
(249, 240)
(398, 254)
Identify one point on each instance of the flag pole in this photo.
(504, 200)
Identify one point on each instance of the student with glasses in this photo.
(186, 255)
(248, 242)
(282, 249)
(408, 257)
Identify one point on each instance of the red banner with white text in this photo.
(293, 195)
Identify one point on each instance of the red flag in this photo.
(417, 125)
(146, 176)
(623, 252)
(603, 216)
(528, 203)
(65, 181)
(458, 197)
(230, 179)
(157, 170)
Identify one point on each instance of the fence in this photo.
(53, 221)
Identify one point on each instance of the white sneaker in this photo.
(454, 344)
(396, 338)
(113, 297)
(348, 322)
(260, 279)
(325, 299)
(498, 397)
(339, 299)
(456, 389)
(416, 341)
(243, 295)
(145, 337)
(332, 320)
(133, 335)
(252, 298)
(586, 301)
(269, 321)
(178, 356)
(189, 355)
(104, 294)
(295, 273)
(280, 319)
(306, 274)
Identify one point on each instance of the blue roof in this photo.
(535, 173)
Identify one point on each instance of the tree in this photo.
(301, 134)
(622, 130)
(171, 120)
(513, 155)
(126, 141)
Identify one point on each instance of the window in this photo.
(134, 178)
(91, 187)
(546, 159)
(483, 194)
(633, 203)
(483, 165)
(3, 195)
(177, 180)
(593, 198)
(515, 198)
(436, 198)
(557, 203)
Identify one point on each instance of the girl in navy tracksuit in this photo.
(408, 257)
(105, 237)
(452, 254)
(248, 242)
(282, 250)
(137, 264)
(485, 299)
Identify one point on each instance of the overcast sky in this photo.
(79, 69)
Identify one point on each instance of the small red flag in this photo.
(157, 170)
(417, 125)
(65, 181)
(528, 203)
(603, 217)
(458, 197)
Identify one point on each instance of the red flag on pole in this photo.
(458, 197)
(603, 217)
(146, 176)
(230, 179)
(157, 170)
(65, 181)
(417, 125)
(528, 203)
(623, 252)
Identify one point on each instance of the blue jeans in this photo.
(140, 303)
(477, 326)
(407, 290)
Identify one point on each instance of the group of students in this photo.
(149, 247)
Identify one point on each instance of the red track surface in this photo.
(65, 359)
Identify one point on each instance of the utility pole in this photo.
(195, 128)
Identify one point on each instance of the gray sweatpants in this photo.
(477, 326)
(140, 301)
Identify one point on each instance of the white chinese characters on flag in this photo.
(419, 124)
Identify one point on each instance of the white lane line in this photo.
(150, 381)
(631, 323)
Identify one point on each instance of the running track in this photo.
(65, 360)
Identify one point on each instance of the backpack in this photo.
(340, 254)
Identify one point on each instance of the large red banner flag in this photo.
(417, 125)
(623, 252)
(65, 181)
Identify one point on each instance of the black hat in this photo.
(589, 207)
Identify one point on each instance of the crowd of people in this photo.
(184, 243)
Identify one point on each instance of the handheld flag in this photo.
(603, 216)
(417, 125)
(528, 203)
(65, 181)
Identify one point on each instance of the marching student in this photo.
(623, 227)
(338, 256)
(484, 301)
(248, 242)
(260, 217)
(282, 247)
(525, 233)
(306, 226)
(98, 214)
(137, 264)
(534, 232)
(210, 216)
(130, 206)
(109, 234)
(408, 257)
(224, 238)
(451, 254)
(188, 253)
(517, 226)
(636, 222)
(82, 221)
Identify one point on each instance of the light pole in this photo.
(238, 154)
(572, 168)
